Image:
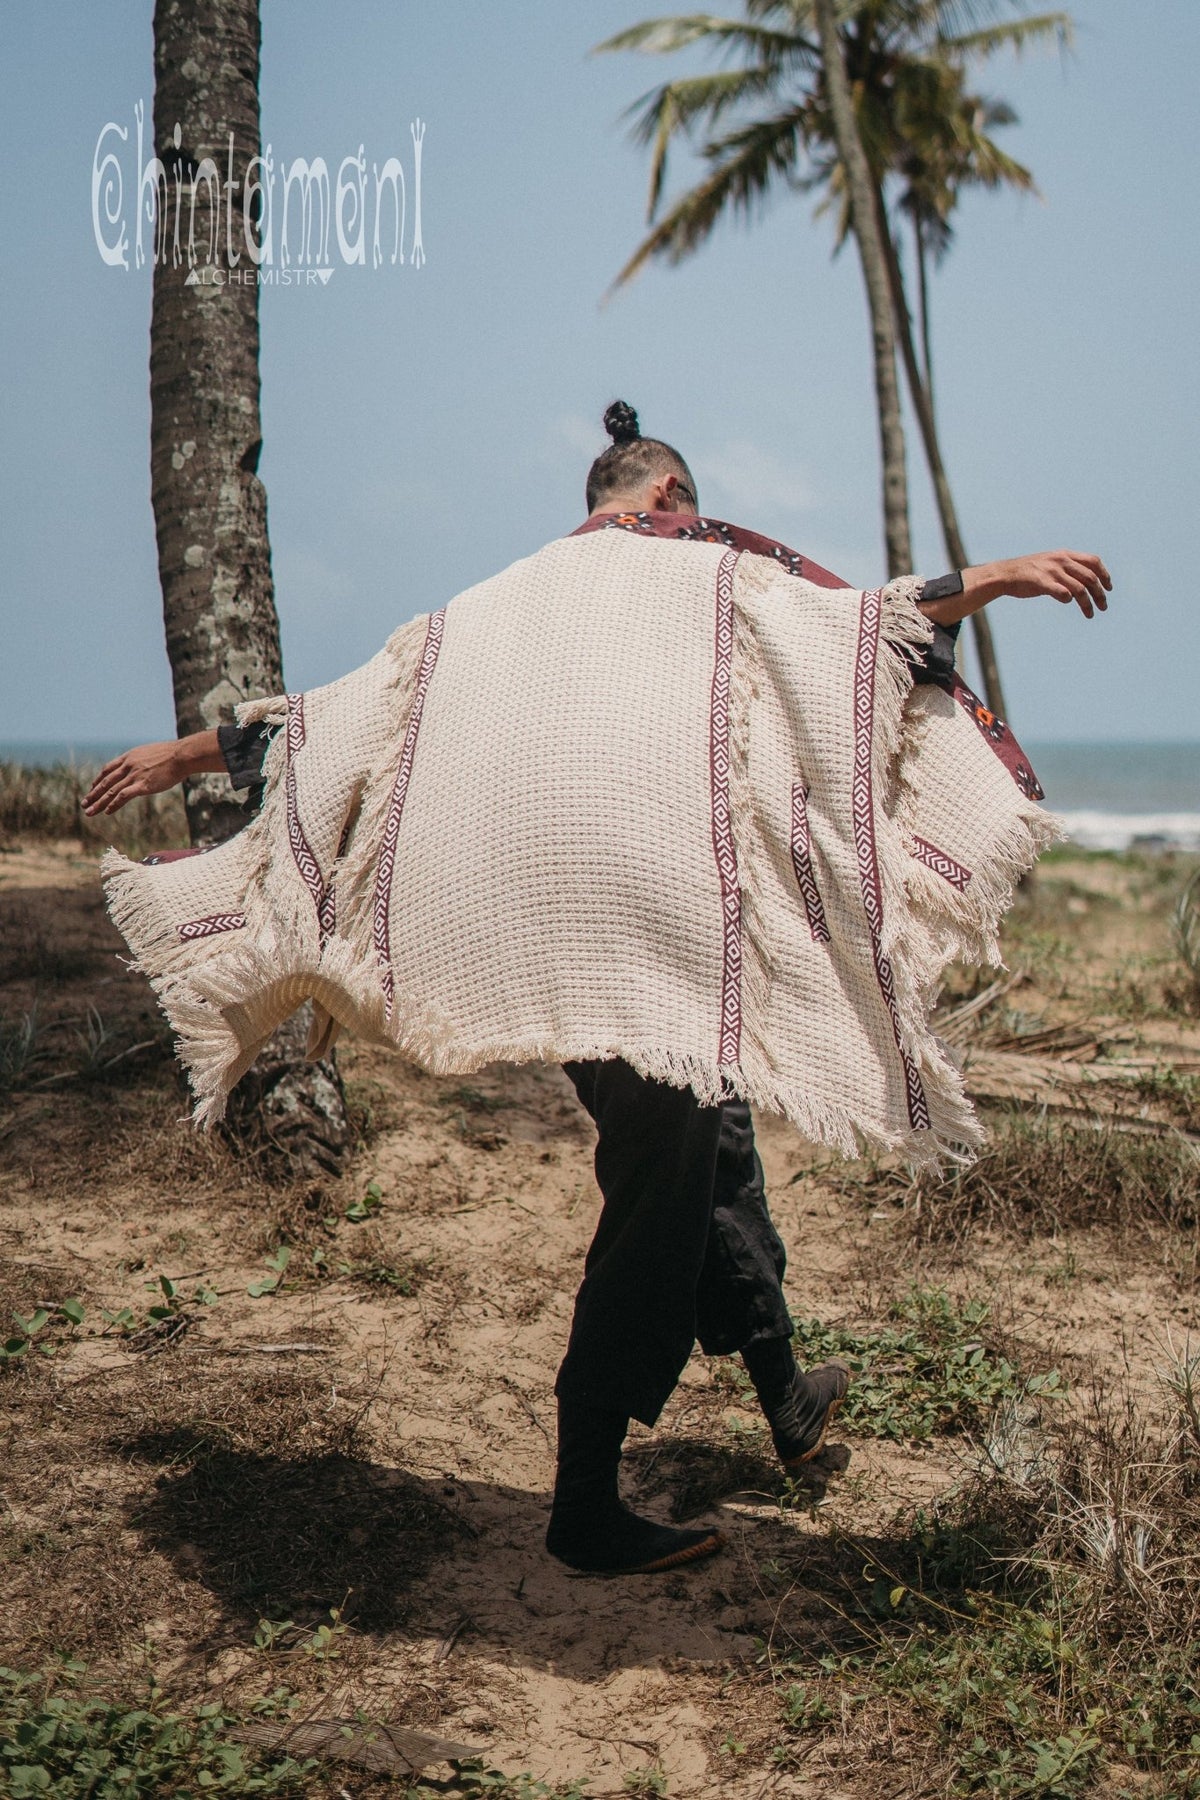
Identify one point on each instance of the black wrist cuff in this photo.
(942, 587)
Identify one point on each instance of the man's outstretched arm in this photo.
(152, 769)
(234, 750)
(1064, 575)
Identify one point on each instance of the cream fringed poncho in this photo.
(632, 797)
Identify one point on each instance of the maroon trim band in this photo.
(387, 854)
(864, 839)
(310, 869)
(302, 854)
(210, 926)
(941, 863)
(724, 849)
(802, 864)
(695, 529)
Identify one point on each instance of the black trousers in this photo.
(684, 1247)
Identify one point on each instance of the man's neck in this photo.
(623, 503)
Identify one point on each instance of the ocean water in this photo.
(1123, 796)
(1112, 796)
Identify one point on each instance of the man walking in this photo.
(684, 1248)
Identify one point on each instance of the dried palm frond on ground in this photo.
(376, 1745)
(1040, 1176)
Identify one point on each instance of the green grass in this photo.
(57, 1742)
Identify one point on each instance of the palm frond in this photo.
(746, 163)
(1014, 34)
(661, 37)
(673, 110)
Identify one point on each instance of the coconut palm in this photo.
(770, 121)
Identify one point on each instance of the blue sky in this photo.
(425, 426)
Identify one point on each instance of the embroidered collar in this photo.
(703, 530)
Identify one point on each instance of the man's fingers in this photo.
(107, 781)
(109, 796)
(1087, 590)
(1094, 564)
(116, 798)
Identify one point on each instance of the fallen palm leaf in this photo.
(1112, 1090)
(383, 1749)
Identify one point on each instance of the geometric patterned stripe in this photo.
(306, 862)
(941, 863)
(215, 922)
(864, 838)
(327, 911)
(802, 864)
(387, 854)
(730, 1036)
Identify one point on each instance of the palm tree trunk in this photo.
(956, 550)
(210, 508)
(865, 225)
(923, 296)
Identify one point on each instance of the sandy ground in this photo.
(398, 1465)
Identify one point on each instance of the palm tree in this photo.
(210, 508)
(904, 62)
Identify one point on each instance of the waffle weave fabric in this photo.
(631, 797)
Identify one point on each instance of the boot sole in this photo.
(676, 1559)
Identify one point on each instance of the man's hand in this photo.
(152, 769)
(1063, 575)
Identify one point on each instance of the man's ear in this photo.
(662, 493)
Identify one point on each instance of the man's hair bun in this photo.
(621, 423)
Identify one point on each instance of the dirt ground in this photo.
(371, 1436)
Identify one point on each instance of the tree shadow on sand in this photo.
(279, 1537)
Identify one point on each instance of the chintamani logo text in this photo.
(251, 219)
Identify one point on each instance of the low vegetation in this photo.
(1037, 1632)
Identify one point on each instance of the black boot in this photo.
(798, 1408)
(589, 1528)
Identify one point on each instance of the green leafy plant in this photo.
(269, 1634)
(67, 1312)
(368, 1206)
(647, 1780)
(122, 1320)
(325, 1643)
(59, 1742)
(931, 1371)
(14, 1348)
(270, 1284)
